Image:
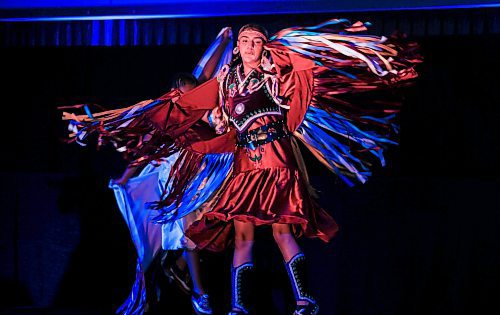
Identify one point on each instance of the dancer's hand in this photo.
(119, 181)
(122, 181)
(219, 121)
(227, 33)
(221, 127)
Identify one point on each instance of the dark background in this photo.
(421, 237)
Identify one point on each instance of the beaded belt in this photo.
(254, 138)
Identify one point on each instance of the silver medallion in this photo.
(239, 109)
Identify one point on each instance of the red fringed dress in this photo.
(328, 86)
(266, 185)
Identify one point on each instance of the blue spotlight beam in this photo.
(58, 10)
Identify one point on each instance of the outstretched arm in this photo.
(211, 65)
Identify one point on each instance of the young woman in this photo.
(269, 95)
(266, 187)
(275, 91)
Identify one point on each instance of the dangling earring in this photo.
(236, 50)
(264, 61)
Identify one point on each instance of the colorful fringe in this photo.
(193, 179)
(350, 58)
(125, 129)
(344, 128)
(340, 144)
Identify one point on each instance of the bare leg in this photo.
(199, 299)
(181, 262)
(287, 244)
(243, 243)
(285, 240)
(242, 264)
(177, 272)
(193, 262)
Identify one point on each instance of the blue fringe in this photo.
(136, 301)
(214, 169)
(317, 129)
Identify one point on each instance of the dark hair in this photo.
(183, 78)
(254, 27)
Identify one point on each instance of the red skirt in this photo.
(264, 192)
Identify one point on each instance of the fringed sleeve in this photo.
(140, 132)
(342, 93)
(151, 129)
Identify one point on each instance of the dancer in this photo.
(266, 93)
(267, 187)
(172, 233)
(133, 193)
(313, 84)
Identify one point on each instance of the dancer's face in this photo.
(251, 46)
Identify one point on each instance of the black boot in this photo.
(297, 272)
(241, 288)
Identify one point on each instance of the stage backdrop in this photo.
(421, 237)
(105, 9)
